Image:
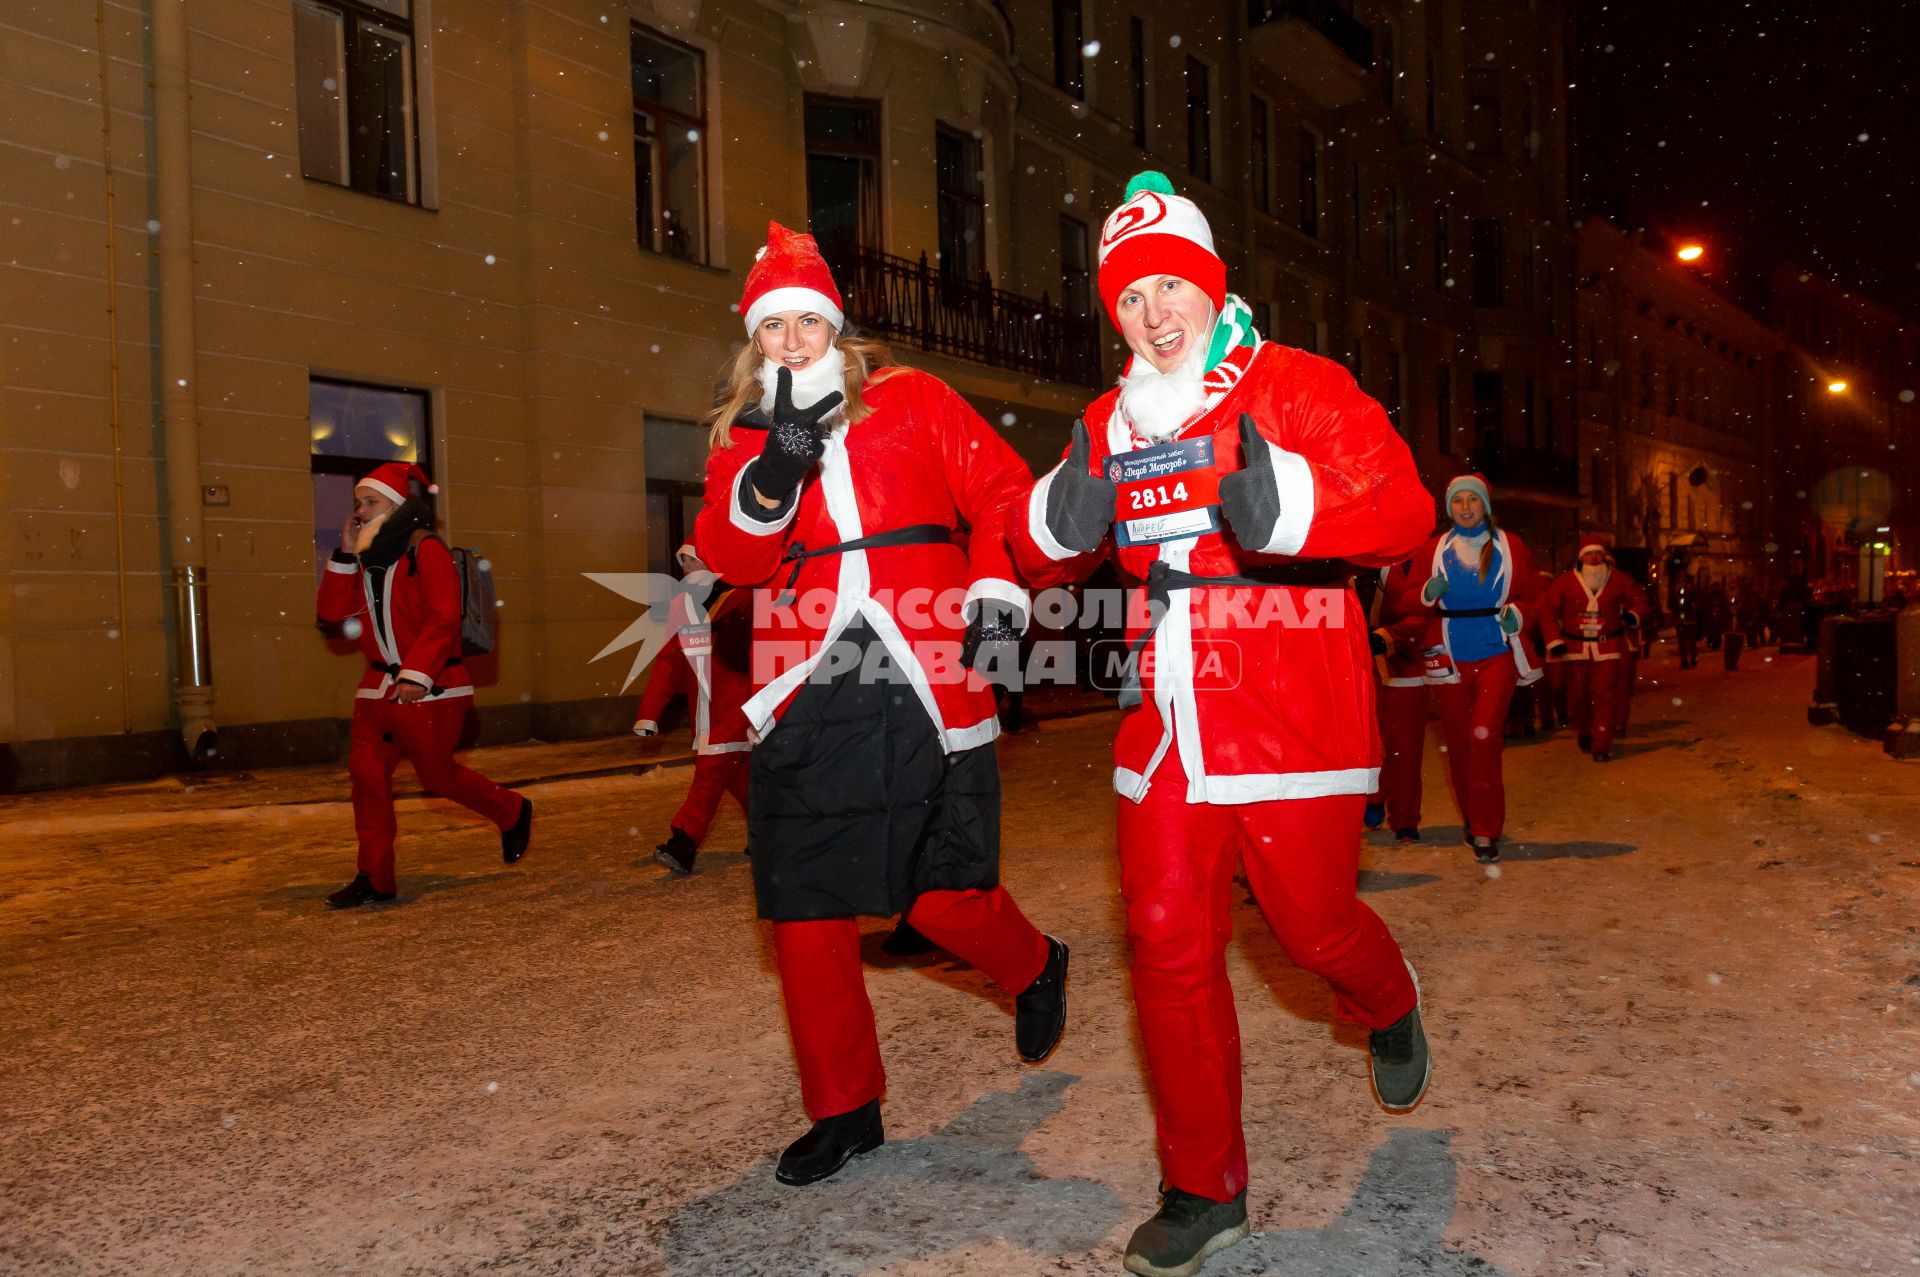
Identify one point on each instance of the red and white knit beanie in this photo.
(1155, 232)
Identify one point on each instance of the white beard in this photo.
(1595, 577)
(368, 531)
(810, 384)
(1156, 404)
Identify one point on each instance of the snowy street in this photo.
(1676, 1032)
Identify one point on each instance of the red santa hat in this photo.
(1156, 232)
(395, 480)
(1592, 543)
(789, 274)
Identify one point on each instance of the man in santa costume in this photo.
(393, 587)
(1399, 622)
(1589, 616)
(1241, 481)
(708, 660)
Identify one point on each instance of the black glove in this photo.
(992, 644)
(1080, 504)
(1250, 496)
(1379, 644)
(794, 441)
(1556, 647)
(1630, 620)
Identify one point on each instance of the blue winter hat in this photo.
(1476, 484)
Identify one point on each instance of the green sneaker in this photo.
(1401, 1062)
(1183, 1232)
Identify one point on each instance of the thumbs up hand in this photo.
(1250, 496)
(1080, 504)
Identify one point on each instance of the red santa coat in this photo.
(922, 457)
(1298, 722)
(1516, 582)
(409, 619)
(1593, 626)
(706, 661)
(1400, 617)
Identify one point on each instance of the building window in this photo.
(1443, 408)
(961, 204)
(1076, 268)
(1357, 214)
(1069, 40)
(1137, 77)
(843, 179)
(1489, 428)
(676, 482)
(1260, 153)
(1433, 96)
(1531, 409)
(1489, 262)
(1199, 121)
(669, 146)
(1309, 182)
(354, 86)
(1483, 113)
(1442, 247)
(1263, 322)
(1393, 229)
(354, 427)
(1389, 65)
(1357, 361)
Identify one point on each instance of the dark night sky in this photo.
(1760, 104)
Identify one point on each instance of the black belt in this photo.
(393, 671)
(1470, 612)
(916, 534)
(1162, 581)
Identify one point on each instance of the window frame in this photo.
(649, 226)
(356, 15)
(1312, 182)
(1200, 132)
(1072, 229)
(1260, 152)
(870, 229)
(357, 467)
(974, 198)
(1139, 77)
(1070, 60)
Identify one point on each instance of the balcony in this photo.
(1527, 469)
(912, 302)
(1315, 45)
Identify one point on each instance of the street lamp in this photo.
(1690, 252)
(1836, 387)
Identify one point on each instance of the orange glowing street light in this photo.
(1690, 252)
(1836, 387)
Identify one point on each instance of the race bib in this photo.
(1590, 625)
(696, 641)
(1438, 662)
(1165, 492)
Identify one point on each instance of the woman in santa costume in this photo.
(1589, 617)
(707, 660)
(841, 478)
(1480, 593)
(1399, 624)
(392, 586)
(1239, 482)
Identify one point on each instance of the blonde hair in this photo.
(864, 355)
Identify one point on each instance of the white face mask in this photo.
(811, 384)
(1156, 404)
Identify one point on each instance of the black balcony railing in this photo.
(1527, 468)
(1329, 17)
(902, 300)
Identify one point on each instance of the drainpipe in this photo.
(179, 390)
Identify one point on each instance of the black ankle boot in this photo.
(513, 842)
(358, 892)
(906, 941)
(1040, 1010)
(677, 853)
(831, 1144)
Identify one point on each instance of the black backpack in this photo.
(477, 634)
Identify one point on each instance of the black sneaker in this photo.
(906, 941)
(677, 852)
(1585, 742)
(1183, 1232)
(831, 1143)
(1603, 756)
(358, 892)
(1040, 1010)
(1409, 834)
(1374, 816)
(513, 842)
(1485, 850)
(1401, 1062)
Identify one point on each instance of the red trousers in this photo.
(1176, 874)
(828, 1015)
(424, 734)
(1596, 699)
(1627, 679)
(714, 776)
(1402, 712)
(1473, 720)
